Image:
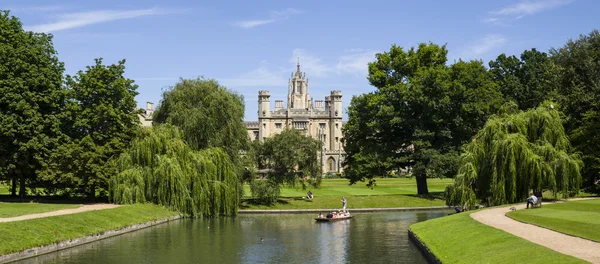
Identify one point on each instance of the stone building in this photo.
(320, 119)
(146, 118)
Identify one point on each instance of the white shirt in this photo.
(533, 199)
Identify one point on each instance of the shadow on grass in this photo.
(5, 198)
(431, 196)
(246, 203)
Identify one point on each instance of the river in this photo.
(272, 238)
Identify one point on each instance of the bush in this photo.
(265, 191)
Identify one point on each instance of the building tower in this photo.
(335, 121)
(298, 97)
(264, 113)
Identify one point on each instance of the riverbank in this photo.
(458, 238)
(42, 235)
(389, 193)
(353, 210)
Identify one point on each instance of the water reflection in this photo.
(368, 238)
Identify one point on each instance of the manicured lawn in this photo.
(4, 189)
(17, 209)
(389, 192)
(577, 218)
(21, 235)
(460, 239)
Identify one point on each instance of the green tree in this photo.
(580, 89)
(517, 152)
(209, 114)
(31, 98)
(160, 167)
(529, 80)
(421, 113)
(292, 157)
(101, 120)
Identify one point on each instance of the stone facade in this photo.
(320, 119)
(146, 118)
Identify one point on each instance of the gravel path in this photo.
(83, 208)
(577, 247)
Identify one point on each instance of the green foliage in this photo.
(580, 87)
(421, 113)
(161, 168)
(209, 114)
(100, 120)
(292, 157)
(31, 98)
(528, 81)
(265, 191)
(516, 153)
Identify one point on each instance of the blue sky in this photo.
(253, 45)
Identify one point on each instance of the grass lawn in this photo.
(4, 189)
(17, 209)
(577, 218)
(389, 192)
(21, 235)
(460, 239)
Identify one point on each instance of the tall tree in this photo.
(528, 81)
(209, 114)
(101, 121)
(31, 98)
(517, 152)
(422, 111)
(579, 62)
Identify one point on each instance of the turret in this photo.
(264, 113)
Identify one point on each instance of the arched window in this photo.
(331, 164)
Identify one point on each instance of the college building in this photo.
(319, 119)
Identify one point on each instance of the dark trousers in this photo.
(529, 202)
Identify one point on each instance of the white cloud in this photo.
(310, 63)
(355, 63)
(261, 76)
(524, 8)
(253, 23)
(275, 16)
(486, 44)
(272, 75)
(80, 19)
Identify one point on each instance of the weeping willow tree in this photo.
(514, 153)
(161, 168)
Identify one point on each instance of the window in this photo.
(300, 125)
(255, 135)
(278, 125)
(322, 125)
(330, 164)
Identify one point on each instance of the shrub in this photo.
(265, 191)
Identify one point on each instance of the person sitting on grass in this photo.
(309, 194)
(531, 200)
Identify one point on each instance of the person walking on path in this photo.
(344, 203)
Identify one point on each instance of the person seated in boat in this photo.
(309, 194)
(330, 215)
(320, 215)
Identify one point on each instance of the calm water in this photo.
(368, 238)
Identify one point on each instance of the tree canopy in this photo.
(422, 111)
(290, 156)
(161, 168)
(31, 100)
(209, 114)
(100, 119)
(579, 86)
(517, 152)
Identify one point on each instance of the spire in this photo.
(298, 64)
